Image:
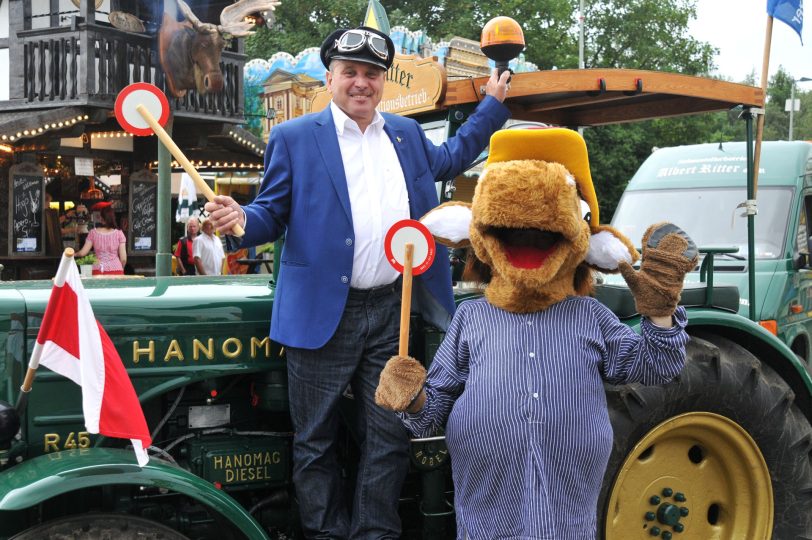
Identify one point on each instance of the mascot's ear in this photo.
(449, 223)
(607, 247)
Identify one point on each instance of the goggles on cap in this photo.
(353, 40)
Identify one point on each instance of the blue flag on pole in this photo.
(789, 11)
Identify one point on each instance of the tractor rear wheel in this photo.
(100, 527)
(720, 452)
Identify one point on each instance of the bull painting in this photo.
(190, 50)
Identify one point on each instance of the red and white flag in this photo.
(74, 344)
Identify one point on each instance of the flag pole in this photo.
(36, 352)
(765, 74)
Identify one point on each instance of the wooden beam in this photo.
(625, 112)
(628, 94)
(583, 100)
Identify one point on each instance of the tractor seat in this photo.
(619, 299)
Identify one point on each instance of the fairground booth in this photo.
(62, 65)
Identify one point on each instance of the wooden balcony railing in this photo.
(49, 67)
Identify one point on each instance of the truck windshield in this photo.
(709, 216)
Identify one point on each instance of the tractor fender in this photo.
(49, 475)
(767, 347)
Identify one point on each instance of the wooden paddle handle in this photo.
(176, 152)
(406, 301)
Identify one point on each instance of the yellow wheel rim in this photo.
(695, 476)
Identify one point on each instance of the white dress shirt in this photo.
(378, 196)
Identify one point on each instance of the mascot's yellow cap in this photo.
(557, 145)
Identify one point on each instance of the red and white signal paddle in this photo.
(410, 249)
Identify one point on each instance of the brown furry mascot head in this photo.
(533, 221)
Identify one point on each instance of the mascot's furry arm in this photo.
(534, 225)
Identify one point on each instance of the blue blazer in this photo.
(304, 195)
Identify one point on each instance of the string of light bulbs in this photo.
(33, 132)
(245, 142)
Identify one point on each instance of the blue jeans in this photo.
(366, 338)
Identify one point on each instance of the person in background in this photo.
(107, 241)
(184, 253)
(335, 182)
(208, 253)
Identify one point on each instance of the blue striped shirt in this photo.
(522, 401)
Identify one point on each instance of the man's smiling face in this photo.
(357, 88)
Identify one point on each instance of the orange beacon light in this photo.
(502, 40)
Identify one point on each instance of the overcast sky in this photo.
(738, 27)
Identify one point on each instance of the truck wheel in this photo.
(720, 452)
(101, 527)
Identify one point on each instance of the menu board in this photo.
(25, 218)
(143, 230)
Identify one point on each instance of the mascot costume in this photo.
(517, 383)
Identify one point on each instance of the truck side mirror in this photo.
(801, 260)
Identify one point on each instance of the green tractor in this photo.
(721, 452)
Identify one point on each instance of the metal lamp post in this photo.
(581, 64)
(792, 104)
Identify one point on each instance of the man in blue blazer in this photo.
(335, 181)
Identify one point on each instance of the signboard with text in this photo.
(25, 216)
(143, 230)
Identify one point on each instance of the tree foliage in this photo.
(645, 34)
(803, 118)
(548, 25)
(776, 120)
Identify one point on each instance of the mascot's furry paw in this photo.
(401, 383)
(668, 254)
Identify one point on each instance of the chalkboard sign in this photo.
(143, 230)
(25, 218)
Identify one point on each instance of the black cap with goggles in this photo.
(362, 44)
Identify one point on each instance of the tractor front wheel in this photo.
(720, 452)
